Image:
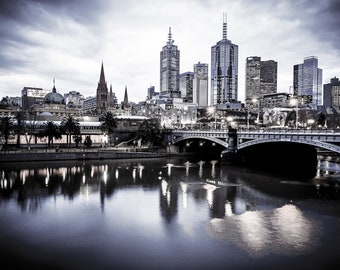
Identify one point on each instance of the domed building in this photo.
(54, 97)
(53, 106)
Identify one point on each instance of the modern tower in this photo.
(331, 94)
(307, 81)
(102, 92)
(224, 70)
(200, 85)
(261, 78)
(185, 85)
(169, 69)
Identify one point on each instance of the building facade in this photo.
(186, 86)
(307, 81)
(169, 69)
(200, 84)
(331, 93)
(32, 96)
(224, 70)
(261, 78)
(74, 98)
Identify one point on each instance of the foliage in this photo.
(19, 127)
(88, 141)
(70, 126)
(6, 126)
(51, 131)
(108, 122)
(150, 132)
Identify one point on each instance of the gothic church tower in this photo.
(102, 92)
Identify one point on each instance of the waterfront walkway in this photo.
(53, 154)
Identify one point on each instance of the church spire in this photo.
(224, 25)
(102, 76)
(126, 100)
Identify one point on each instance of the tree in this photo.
(77, 139)
(19, 127)
(6, 126)
(51, 131)
(88, 141)
(70, 126)
(150, 132)
(108, 123)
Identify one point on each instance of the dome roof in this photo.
(54, 98)
(46, 114)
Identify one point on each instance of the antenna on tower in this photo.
(224, 25)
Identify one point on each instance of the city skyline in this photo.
(68, 40)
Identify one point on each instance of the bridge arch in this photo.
(320, 144)
(206, 138)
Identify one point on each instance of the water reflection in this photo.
(227, 190)
(285, 230)
(155, 201)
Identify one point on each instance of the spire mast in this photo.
(224, 25)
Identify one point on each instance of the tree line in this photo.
(149, 132)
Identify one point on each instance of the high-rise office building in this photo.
(307, 81)
(224, 70)
(185, 85)
(261, 78)
(331, 93)
(102, 92)
(32, 96)
(169, 69)
(200, 85)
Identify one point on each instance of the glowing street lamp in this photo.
(212, 110)
(295, 102)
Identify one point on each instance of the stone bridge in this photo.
(237, 139)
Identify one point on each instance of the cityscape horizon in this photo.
(81, 72)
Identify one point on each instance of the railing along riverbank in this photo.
(23, 155)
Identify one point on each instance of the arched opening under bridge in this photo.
(200, 146)
(288, 158)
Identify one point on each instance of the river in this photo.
(167, 213)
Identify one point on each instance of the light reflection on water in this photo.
(169, 213)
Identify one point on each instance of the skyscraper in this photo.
(200, 85)
(331, 93)
(261, 78)
(102, 92)
(307, 81)
(169, 69)
(185, 85)
(224, 70)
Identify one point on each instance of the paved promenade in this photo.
(77, 154)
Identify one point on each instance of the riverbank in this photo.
(79, 154)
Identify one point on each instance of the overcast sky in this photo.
(68, 40)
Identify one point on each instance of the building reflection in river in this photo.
(256, 212)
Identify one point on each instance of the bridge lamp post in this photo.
(230, 120)
(310, 123)
(295, 102)
(212, 111)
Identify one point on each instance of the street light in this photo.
(295, 102)
(212, 110)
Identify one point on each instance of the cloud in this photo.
(68, 39)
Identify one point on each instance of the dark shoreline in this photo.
(71, 154)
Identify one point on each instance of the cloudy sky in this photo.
(69, 39)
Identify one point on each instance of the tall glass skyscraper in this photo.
(169, 69)
(200, 85)
(261, 77)
(224, 70)
(308, 81)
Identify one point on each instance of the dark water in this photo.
(167, 214)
